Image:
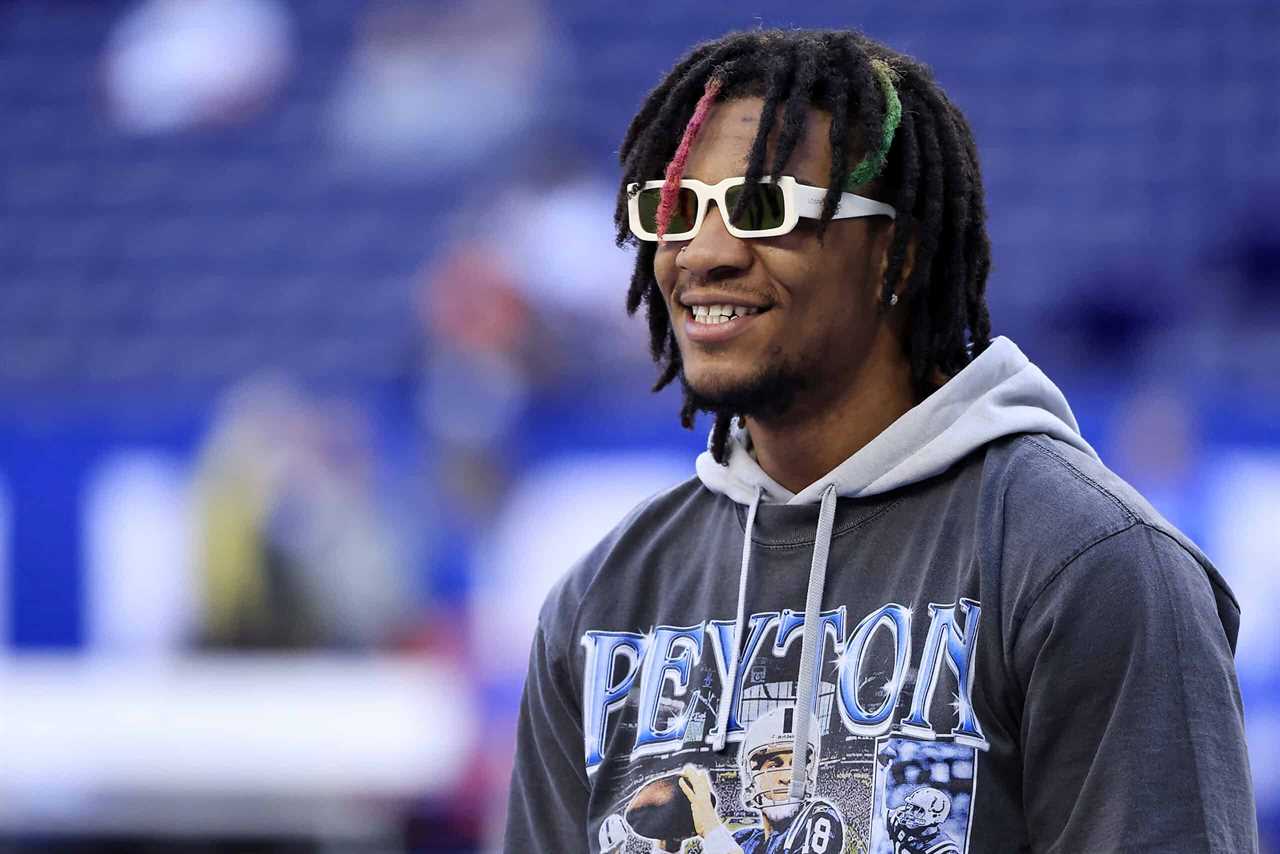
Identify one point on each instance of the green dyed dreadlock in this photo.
(873, 164)
(924, 164)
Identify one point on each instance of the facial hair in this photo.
(768, 394)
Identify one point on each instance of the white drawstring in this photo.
(809, 648)
(803, 719)
(731, 683)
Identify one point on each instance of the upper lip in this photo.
(689, 299)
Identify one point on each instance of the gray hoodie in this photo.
(968, 636)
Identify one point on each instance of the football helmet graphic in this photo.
(613, 835)
(924, 807)
(765, 762)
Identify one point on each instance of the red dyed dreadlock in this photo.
(675, 169)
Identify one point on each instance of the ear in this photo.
(908, 261)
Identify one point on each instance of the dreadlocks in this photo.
(930, 175)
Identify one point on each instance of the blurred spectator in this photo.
(295, 551)
(552, 222)
(481, 360)
(176, 64)
(440, 86)
(1157, 446)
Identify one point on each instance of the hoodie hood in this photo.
(998, 394)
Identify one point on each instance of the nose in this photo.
(713, 253)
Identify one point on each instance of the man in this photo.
(897, 527)
(766, 767)
(915, 827)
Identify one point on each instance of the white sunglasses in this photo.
(774, 210)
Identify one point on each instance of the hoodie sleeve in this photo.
(1133, 732)
(547, 808)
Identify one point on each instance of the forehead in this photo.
(723, 145)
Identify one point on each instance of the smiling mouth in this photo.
(713, 325)
(711, 315)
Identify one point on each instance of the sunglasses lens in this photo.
(683, 214)
(648, 201)
(765, 208)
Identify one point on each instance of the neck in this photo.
(810, 440)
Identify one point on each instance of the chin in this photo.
(781, 814)
(766, 391)
(718, 386)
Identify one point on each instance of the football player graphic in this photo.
(915, 827)
(788, 826)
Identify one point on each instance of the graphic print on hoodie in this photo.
(935, 648)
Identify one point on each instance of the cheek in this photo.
(664, 268)
(822, 296)
(848, 293)
(813, 281)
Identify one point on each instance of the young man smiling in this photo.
(897, 534)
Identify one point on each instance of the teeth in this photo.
(721, 313)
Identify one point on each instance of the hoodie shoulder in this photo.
(639, 530)
(1091, 500)
(1056, 502)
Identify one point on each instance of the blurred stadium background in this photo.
(314, 370)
